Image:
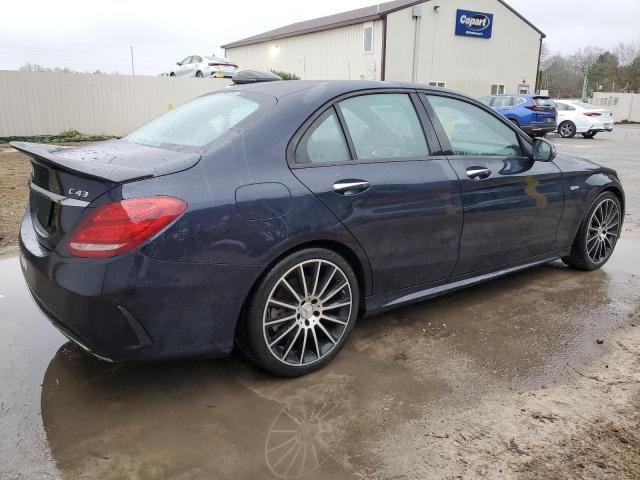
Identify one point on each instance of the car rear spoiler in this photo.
(54, 156)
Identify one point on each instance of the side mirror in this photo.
(178, 63)
(543, 150)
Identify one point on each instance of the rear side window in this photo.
(323, 142)
(472, 131)
(199, 122)
(563, 107)
(384, 126)
(543, 102)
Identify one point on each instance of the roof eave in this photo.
(518, 14)
(346, 23)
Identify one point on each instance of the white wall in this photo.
(467, 64)
(625, 106)
(41, 103)
(334, 54)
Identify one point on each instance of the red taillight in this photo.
(215, 64)
(535, 108)
(592, 114)
(118, 227)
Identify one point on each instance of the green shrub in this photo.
(285, 75)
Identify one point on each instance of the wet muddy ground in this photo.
(536, 375)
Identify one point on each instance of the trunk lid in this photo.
(65, 180)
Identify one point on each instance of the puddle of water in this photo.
(224, 418)
(27, 343)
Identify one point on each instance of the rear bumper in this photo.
(133, 307)
(538, 129)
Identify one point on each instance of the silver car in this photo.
(204, 66)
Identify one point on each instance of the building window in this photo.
(367, 37)
(437, 83)
(497, 89)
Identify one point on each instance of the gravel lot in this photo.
(533, 376)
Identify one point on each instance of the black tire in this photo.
(258, 337)
(172, 74)
(199, 74)
(579, 257)
(589, 134)
(515, 122)
(567, 129)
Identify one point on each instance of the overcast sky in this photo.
(86, 35)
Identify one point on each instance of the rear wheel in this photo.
(172, 74)
(302, 312)
(567, 129)
(199, 74)
(515, 122)
(589, 134)
(598, 234)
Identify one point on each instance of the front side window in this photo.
(199, 122)
(472, 131)
(323, 142)
(384, 126)
(367, 38)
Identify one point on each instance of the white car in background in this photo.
(575, 116)
(204, 66)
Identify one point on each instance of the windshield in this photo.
(199, 122)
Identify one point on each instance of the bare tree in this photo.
(627, 52)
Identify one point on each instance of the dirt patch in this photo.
(585, 427)
(14, 193)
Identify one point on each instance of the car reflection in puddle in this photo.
(225, 419)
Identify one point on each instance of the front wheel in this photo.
(302, 312)
(567, 129)
(598, 234)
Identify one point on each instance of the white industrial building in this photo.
(476, 46)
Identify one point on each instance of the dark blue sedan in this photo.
(273, 216)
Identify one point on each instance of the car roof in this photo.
(328, 88)
(523, 95)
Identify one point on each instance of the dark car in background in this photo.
(272, 216)
(536, 115)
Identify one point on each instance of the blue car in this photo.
(272, 216)
(536, 115)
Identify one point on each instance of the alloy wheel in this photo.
(603, 231)
(567, 129)
(307, 312)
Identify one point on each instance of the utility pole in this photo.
(584, 88)
(133, 70)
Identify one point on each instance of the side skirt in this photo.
(389, 300)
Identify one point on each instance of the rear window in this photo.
(543, 102)
(201, 121)
(586, 105)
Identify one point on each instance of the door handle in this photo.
(350, 187)
(478, 173)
